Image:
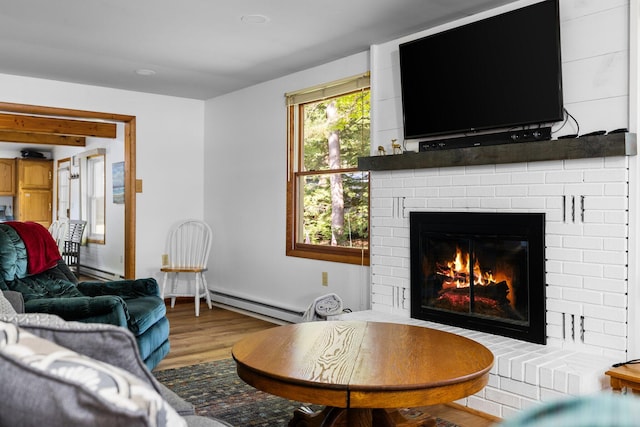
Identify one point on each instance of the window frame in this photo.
(92, 236)
(63, 188)
(295, 115)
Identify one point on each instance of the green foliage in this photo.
(317, 213)
(351, 123)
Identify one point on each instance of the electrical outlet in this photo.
(325, 278)
(165, 260)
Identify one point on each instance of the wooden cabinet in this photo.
(35, 174)
(7, 177)
(34, 205)
(34, 191)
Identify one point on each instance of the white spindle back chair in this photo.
(189, 245)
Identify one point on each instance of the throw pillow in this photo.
(46, 384)
(106, 343)
(16, 300)
(5, 305)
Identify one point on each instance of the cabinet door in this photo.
(35, 205)
(7, 177)
(35, 174)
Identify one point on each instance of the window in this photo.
(95, 198)
(327, 196)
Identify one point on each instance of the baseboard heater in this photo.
(263, 308)
(99, 274)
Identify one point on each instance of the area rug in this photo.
(216, 391)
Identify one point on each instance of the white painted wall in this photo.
(244, 191)
(634, 176)
(169, 144)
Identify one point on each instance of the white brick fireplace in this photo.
(586, 207)
(590, 205)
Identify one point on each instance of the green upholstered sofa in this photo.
(30, 264)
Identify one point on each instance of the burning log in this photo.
(497, 292)
(489, 300)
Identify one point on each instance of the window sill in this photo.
(343, 255)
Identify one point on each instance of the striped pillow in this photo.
(46, 384)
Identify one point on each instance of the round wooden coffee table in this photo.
(361, 371)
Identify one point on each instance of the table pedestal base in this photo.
(355, 417)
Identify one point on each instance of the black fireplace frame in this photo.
(529, 226)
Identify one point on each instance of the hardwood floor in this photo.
(207, 337)
(210, 337)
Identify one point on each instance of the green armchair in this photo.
(52, 288)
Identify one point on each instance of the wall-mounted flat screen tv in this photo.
(497, 73)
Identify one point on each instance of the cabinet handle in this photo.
(50, 175)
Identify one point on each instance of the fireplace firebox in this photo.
(480, 271)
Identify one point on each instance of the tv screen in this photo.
(498, 73)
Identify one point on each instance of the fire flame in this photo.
(456, 274)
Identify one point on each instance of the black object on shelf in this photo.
(499, 138)
(619, 130)
(31, 154)
(595, 133)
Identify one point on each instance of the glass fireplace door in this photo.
(483, 277)
(482, 271)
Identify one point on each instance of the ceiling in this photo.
(202, 48)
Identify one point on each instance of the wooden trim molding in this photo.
(42, 138)
(129, 159)
(55, 126)
(130, 197)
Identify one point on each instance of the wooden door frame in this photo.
(129, 165)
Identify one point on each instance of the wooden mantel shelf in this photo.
(617, 144)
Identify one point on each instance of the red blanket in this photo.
(42, 250)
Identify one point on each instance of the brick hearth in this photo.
(523, 373)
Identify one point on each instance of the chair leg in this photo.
(197, 293)
(174, 289)
(207, 295)
(164, 285)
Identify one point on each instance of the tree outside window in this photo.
(327, 196)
